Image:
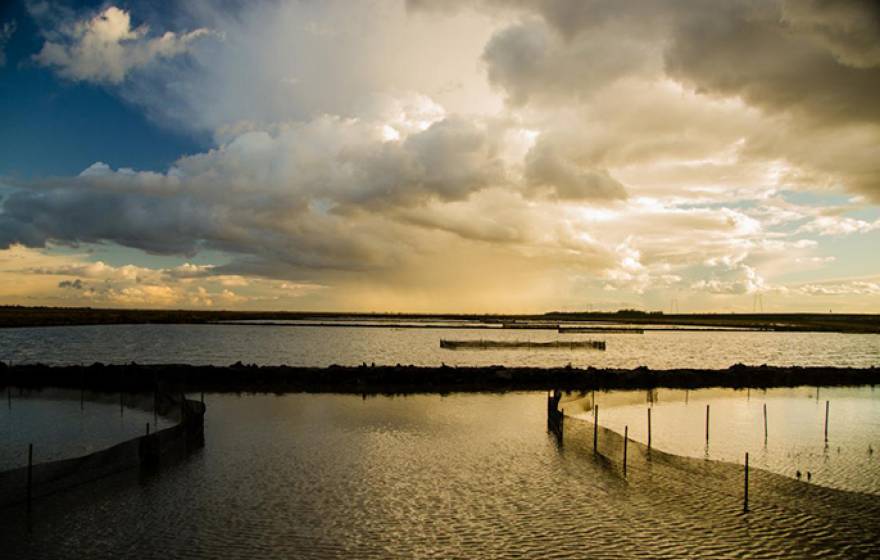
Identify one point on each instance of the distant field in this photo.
(16, 316)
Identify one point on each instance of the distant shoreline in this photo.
(13, 316)
(415, 379)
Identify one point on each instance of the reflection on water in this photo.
(850, 459)
(317, 346)
(463, 476)
(63, 424)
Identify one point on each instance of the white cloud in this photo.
(106, 48)
(839, 225)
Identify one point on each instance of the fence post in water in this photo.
(765, 422)
(9, 397)
(707, 423)
(746, 488)
(827, 404)
(649, 428)
(30, 475)
(596, 429)
(625, 440)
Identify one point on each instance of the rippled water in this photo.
(317, 346)
(465, 476)
(849, 460)
(60, 425)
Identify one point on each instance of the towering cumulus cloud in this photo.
(474, 155)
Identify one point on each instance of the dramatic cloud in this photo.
(474, 155)
(105, 48)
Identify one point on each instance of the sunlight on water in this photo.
(795, 428)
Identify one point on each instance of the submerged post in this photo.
(746, 488)
(707, 423)
(596, 428)
(765, 422)
(649, 428)
(625, 440)
(827, 404)
(30, 475)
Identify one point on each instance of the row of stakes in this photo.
(746, 464)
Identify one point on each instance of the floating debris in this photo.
(493, 344)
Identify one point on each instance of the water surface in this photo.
(317, 346)
(463, 476)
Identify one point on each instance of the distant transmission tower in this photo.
(673, 306)
(758, 303)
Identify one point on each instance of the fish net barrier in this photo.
(147, 451)
(717, 486)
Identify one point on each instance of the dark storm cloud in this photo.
(546, 169)
(812, 68)
(307, 196)
(751, 52)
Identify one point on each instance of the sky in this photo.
(441, 156)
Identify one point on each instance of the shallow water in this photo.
(60, 425)
(849, 460)
(328, 476)
(317, 346)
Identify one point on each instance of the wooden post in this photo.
(827, 404)
(707, 423)
(30, 475)
(649, 428)
(9, 397)
(82, 392)
(121, 405)
(746, 488)
(765, 422)
(625, 440)
(148, 428)
(596, 428)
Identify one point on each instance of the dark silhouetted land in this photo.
(18, 316)
(412, 379)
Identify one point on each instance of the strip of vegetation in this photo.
(19, 316)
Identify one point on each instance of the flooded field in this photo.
(795, 439)
(323, 346)
(328, 476)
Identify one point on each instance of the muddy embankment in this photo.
(412, 379)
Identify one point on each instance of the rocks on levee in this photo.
(417, 379)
